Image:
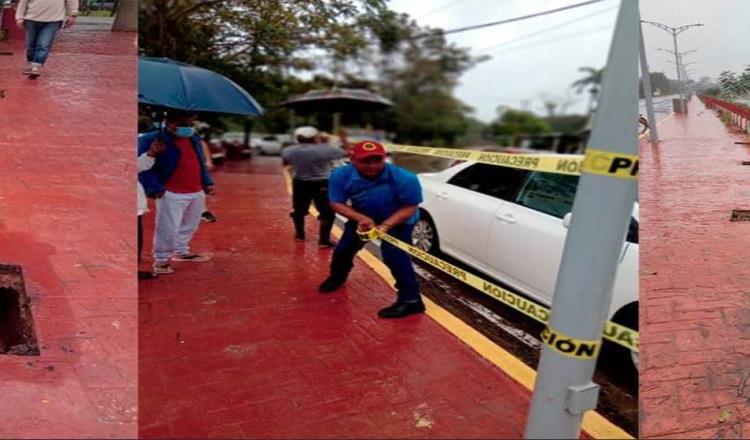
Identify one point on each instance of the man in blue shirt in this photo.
(385, 197)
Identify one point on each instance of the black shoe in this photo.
(401, 309)
(209, 217)
(330, 284)
(326, 245)
(143, 275)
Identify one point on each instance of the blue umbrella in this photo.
(168, 83)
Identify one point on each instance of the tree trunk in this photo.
(126, 16)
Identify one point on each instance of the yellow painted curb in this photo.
(594, 424)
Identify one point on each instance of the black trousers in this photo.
(303, 193)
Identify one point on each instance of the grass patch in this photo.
(98, 13)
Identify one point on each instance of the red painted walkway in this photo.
(695, 281)
(66, 187)
(245, 346)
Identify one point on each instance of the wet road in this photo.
(662, 106)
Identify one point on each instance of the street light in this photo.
(675, 31)
(673, 52)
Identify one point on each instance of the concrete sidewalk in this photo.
(67, 212)
(245, 346)
(695, 280)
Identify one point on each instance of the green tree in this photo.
(566, 123)
(511, 122)
(420, 77)
(264, 46)
(591, 82)
(733, 85)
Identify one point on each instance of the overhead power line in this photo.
(510, 20)
(549, 29)
(441, 8)
(554, 40)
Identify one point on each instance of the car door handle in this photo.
(506, 218)
(442, 195)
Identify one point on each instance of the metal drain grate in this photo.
(740, 215)
(17, 335)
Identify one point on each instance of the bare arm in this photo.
(207, 156)
(398, 217)
(364, 223)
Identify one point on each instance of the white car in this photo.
(511, 224)
(269, 144)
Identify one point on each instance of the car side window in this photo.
(549, 193)
(491, 180)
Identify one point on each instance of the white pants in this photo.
(177, 219)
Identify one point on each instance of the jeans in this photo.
(177, 219)
(39, 38)
(397, 260)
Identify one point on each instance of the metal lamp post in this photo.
(680, 106)
(564, 389)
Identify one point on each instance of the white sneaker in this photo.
(162, 267)
(35, 71)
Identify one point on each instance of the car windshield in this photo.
(549, 193)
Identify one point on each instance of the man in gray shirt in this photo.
(311, 167)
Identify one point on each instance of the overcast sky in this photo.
(545, 65)
(722, 44)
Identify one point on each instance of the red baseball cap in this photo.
(366, 149)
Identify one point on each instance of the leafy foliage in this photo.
(269, 46)
(735, 86)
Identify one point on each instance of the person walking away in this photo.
(179, 181)
(311, 167)
(381, 196)
(42, 19)
(145, 162)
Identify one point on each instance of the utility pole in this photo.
(680, 65)
(681, 105)
(603, 206)
(647, 92)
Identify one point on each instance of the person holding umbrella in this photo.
(179, 181)
(42, 19)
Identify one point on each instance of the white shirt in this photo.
(46, 10)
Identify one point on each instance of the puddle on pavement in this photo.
(17, 335)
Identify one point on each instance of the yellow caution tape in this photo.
(614, 332)
(624, 166)
(570, 346)
(370, 235)
(551, 163)
(606, 163)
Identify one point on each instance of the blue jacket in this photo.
(154, 179)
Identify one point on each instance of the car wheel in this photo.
(424, 236)
(624, 361)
